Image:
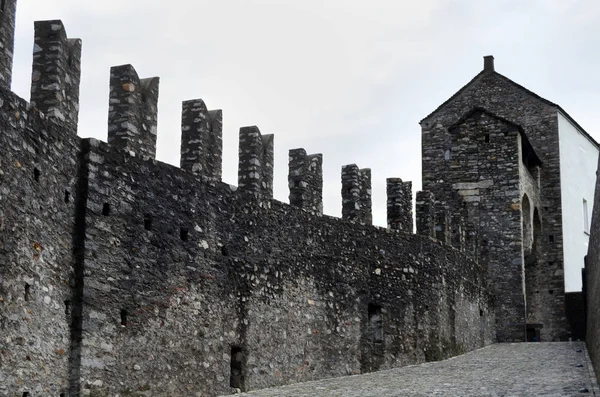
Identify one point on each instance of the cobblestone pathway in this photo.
(502, 370)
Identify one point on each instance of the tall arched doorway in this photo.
(533, 289)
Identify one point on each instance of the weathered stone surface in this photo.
(305, 179)
(480, 170)
(523, 369)
(255, 171)
(201, 139)
(7, 41)
(356, 194)
(399, 205)
(132, 112)
(56, 74)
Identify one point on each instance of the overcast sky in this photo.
(347, 78)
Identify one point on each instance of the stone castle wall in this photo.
(124, 275)
(293, 291)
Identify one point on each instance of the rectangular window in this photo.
(586, 218)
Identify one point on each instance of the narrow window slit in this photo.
(26, 394)
(224, 251)
(236, 379)
(67, 309)
(487, 138)
(27, 292)
(36, 174)
(147, 222)
(375, 323)
(106, 209)
(183, 234)
(67, 196)
(123, 318)
(551, 239)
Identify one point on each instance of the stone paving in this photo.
(501, 370)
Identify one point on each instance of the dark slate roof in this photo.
(533, 94)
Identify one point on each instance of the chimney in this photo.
(488, 63)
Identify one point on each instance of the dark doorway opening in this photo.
(533, 332)
(236, 378)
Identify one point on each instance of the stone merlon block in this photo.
(56, 74)
(256, 156)
(305, 180)
(133, 111)
(425, 213)
(356, 194)
(7, 41)
(201, 139)
(399, 205)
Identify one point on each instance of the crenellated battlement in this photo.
(133, 111)
(129, 264)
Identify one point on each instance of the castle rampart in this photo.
(123, 274)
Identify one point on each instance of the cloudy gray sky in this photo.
(346, 78)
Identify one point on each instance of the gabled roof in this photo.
(533, 94)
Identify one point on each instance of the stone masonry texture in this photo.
(201, 139)
(471, 181)
(126, 276)
(8, 10)
(399, 205)
(133, 111)
(305, 179)
(356, 194)
(121, 275)
(56, 74)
